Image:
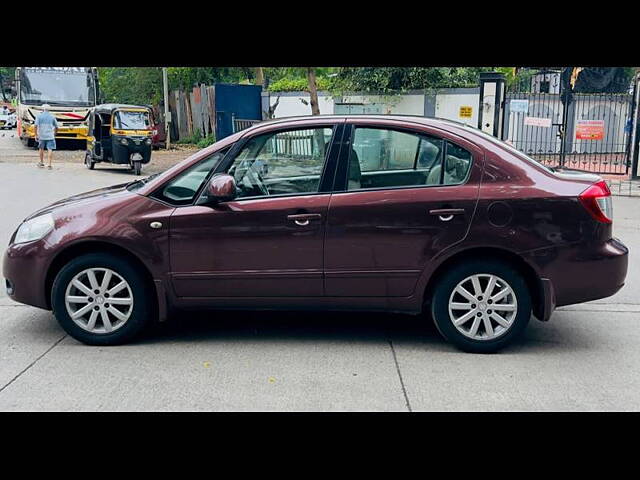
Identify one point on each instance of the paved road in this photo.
(585, 358)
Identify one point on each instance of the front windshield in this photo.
(60, 86)
(127, 120)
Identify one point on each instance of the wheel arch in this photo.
(95, 246)
(530, 275)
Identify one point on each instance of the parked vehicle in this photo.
(7, 120)
(70, 91)
(119, 134)
(387, 213)
(159, 138)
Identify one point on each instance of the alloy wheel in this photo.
(483, 307)
(99, 300)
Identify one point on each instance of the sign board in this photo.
(589, 129)
(465, 112)
(537, 122)
(67, 70)
(519, 106)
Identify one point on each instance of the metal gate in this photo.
(560, 128)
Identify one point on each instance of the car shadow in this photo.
(409, 331)
(228, 325)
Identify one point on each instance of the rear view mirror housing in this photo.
(220, 188)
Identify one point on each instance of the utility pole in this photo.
(167, 113)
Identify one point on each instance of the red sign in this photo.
(590, 130)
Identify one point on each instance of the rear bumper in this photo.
(581, 273)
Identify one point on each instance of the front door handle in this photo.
(303, 219)
(446, 214)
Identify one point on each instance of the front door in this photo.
(268, 242)
(406, 197)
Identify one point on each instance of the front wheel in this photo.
(481, 306)
(89, 162)
(101, 299)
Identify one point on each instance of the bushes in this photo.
(206, 141)
(198, 140)
(298, 84)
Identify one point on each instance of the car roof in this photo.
(430, 121)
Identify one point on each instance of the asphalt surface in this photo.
(585, 358)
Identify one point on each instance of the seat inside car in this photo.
(355, 173)
(454, 172)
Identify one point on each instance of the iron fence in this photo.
(545, 119)
(242, 124)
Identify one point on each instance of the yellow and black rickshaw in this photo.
(119, 134)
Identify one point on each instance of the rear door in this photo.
(402, 196)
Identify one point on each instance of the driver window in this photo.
(285, 162)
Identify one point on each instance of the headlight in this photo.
(148, 141)
(34, 229)
(123, 141)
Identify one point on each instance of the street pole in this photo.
(167, 113)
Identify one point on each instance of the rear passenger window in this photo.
(382, 158)
(457, 164)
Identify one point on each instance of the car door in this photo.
(268, 242)
(402, 196)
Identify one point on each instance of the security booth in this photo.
(490, 112)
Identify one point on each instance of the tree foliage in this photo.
(388, 80)
(134, 85)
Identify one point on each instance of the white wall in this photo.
(291, 106)
(448, 106)
(400, 104)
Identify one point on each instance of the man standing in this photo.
(46, 128)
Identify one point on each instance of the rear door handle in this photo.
(446, 214)
(303, 219)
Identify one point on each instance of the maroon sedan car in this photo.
(387, 213)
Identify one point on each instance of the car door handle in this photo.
(303, 219)
(446, 214)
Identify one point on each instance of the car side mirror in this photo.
(221, 188)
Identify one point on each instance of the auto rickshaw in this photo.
(119, 134)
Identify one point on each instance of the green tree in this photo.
(135, 85)
(389, 80)
(6, 77)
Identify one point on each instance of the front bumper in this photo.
(24, 267)
(68, 133)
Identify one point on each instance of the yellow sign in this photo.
(466, 112)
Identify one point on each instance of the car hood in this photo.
(86, 198)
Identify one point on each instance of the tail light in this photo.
(597, 200)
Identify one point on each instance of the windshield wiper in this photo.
(142, 181)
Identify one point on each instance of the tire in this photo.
(88, 162)
(31, 143)
(514, 308)
(137, 311)
(137, 168)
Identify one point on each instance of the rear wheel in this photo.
(100, 299)
(481, 306)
